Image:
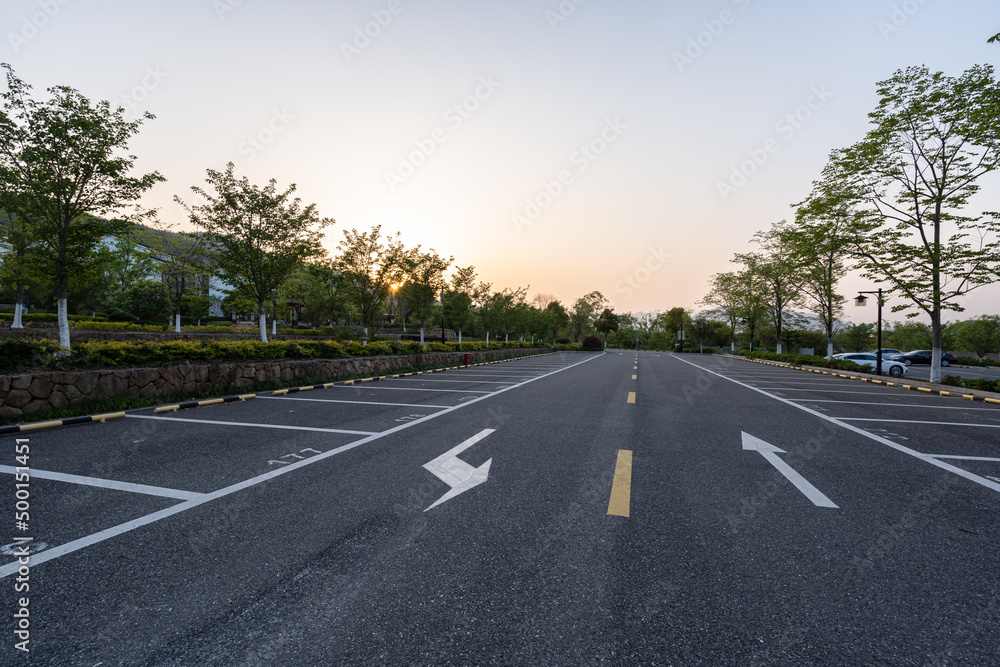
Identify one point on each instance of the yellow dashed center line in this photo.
(621, 488)
(634, 377)
(631, 397)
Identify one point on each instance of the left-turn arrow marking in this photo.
(455, 472)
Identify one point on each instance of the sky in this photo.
(565, 145)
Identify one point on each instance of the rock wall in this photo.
(25, 393)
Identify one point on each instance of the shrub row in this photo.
(981, 384)
(807, 360)
(51, 317)
(16, 355)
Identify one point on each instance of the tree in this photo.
(820, 243)
(18, 264)
(674, 321)
(507, 303)
(61, 166)
(777, 269)
(370, 267)
(724, 294)
(750, 294)
(322, 295)
(858, 337)
(182, 262)
(425, 273)
(701, 330)
(556, 318)
(606, 323)
(148, 300)
(585, 309)
(258, 234)
(909, 182)
(980, 335)
(909, 336)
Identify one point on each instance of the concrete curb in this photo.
(69, 421)
(197, 404)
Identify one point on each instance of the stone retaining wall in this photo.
(25, 393)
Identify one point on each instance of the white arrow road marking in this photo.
(455, 472)
(770, 453)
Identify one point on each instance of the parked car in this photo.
(924, 357)
(868, 359)
(887, 352)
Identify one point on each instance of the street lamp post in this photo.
(861, 301)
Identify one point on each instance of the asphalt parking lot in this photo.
(565, 509)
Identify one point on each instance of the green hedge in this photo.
(981, 384)
(808, 360)
(52, 317)
(16, 355)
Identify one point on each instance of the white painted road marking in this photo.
(963, 458)
(279, 426)
(914, 421)
(770, 453)
(455, 472)
(860, 431)
(897, 405)
(333, 400)
(109, 484)
(108, 533)
(446, 391)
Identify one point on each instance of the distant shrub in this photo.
(592, 343)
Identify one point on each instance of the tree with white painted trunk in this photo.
(369, 267)
(64, 163)
(726, 295)
(775, 269)
(17, 265)
(183, 264)
(819, 242)
(910, 182)
(257, 235)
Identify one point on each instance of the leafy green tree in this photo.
(183, 264)
(425, 282)
(508, 304)
(980, 335)
(607, 322)
(909, 182)
(701, 331)
(148, 300)
(909, 336)
(370, 266)
(17, 265)
(556, 319)
(858, 337)
(322, 293)
(62, 164)
(780, 275)
(584, 311)
(724, 293)
(258, 234)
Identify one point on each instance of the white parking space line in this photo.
(473, 381)
(823, 391)
(84, 542)
(982, 481)
(369, 385)
(252, 425)
(898, 405)
(333, 400)
(963, 458)
(914, 421)
(109, 484)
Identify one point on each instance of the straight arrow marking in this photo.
(455, 472)
(770, 454)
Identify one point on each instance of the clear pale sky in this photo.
(367, 126)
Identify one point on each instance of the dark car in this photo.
(924, 357)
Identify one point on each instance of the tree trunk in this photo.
(936, 346)
(829, 343)
(61, 300)
(421, 335)
(18, 307)
(262, 316)
(177, 322)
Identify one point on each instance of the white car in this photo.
(868, 359)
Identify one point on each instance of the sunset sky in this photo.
(565, 146)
